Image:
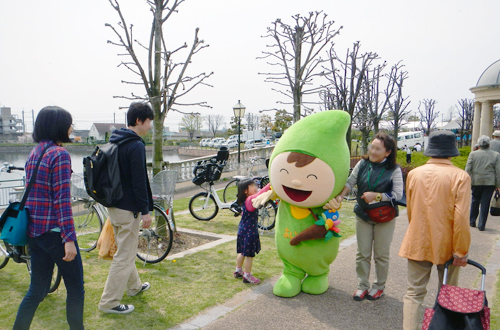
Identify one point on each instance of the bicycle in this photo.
(231, 188)
(205, 205)
(154, 243)
(21, 254)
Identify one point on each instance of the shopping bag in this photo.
(106, 243)
(14, 224)
(495, 204)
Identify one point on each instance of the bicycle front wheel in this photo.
(88, 224)
(155, 242)
(56, 279)
(3, 257)
(202, 207)
(352, 194)
(230, 191)
(267, 215)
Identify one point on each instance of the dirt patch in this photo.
(185, 241)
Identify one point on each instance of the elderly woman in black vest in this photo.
(380, 184)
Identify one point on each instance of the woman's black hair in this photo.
(242, 186)
(389, 145)
(139, 110)
(52, 123)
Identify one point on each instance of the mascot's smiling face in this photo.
(301, 179)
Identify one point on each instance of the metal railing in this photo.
(185, 168)
(10, 190)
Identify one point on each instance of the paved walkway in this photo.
(258, 308)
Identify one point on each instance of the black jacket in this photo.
(137, 195)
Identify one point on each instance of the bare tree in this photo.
(252, 121)
(347, 79)
(214, 122)
(163, 76)
(465, 109)
(295, 52)
(398, 105)
(428, 114)
(191, 123)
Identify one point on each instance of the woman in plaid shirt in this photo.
(52, 237)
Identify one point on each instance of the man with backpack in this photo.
(126, 213)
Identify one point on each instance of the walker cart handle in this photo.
(470, 262)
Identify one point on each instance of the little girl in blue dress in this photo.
(248, 242)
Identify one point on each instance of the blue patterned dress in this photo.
(248, 242)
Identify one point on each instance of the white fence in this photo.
(185, 168)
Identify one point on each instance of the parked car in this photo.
(267, 142)
(203, 142)
(217, 142)
(250, 144)
(230, 143)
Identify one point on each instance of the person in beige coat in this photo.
(438, 203)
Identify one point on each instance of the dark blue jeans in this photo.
(46, 250)
(481, 195)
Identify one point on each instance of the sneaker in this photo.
(145, 287)
(360, 295)
(120, 309)
(473, 224)
(238, 274)
(375, 294)
(251, 280)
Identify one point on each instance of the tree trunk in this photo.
(365, 134)
(156, 93)
(375, 125)
(297, 89)
(396, 130)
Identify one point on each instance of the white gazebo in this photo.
(487, 94)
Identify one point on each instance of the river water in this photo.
(19, 159)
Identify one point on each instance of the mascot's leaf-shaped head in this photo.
(310, 163)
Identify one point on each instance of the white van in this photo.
(410, 139)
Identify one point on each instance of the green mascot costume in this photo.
(309, 167)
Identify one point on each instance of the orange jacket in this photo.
(438, 202)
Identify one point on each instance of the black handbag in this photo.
(495, 204)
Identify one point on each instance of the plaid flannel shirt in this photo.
(49, 201)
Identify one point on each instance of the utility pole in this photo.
(33, 118)
(114, 117)
(24, 127)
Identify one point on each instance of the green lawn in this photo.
(180, 289)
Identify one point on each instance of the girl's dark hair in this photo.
(139, 110)
(389, 145)
(242, 186)
(52, 123)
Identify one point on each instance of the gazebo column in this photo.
(486, 119)
(476, 125)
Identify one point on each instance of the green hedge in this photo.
(418, 159)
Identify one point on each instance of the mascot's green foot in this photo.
(287, 286)
(315, 284)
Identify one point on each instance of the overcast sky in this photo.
(55, 52)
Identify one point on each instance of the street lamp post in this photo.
(239, 111)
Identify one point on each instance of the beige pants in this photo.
(419, 273)
(376, 238)
(123, 274)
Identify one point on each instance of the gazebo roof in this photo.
(490, 76)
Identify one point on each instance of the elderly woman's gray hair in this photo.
(483, 141)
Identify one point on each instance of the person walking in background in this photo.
(495, 143)
(380, 184)
(438, 200)
(408, 155)
(483, 166)
(51, 232)
(248, 241)
(126, 215)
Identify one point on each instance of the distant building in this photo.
(80, 135)
(10, 126)
(102, 131)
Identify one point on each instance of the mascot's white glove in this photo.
(263, 198)
(334, 204)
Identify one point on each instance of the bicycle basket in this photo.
(163, 184)
(216, 174)
(78, 189)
